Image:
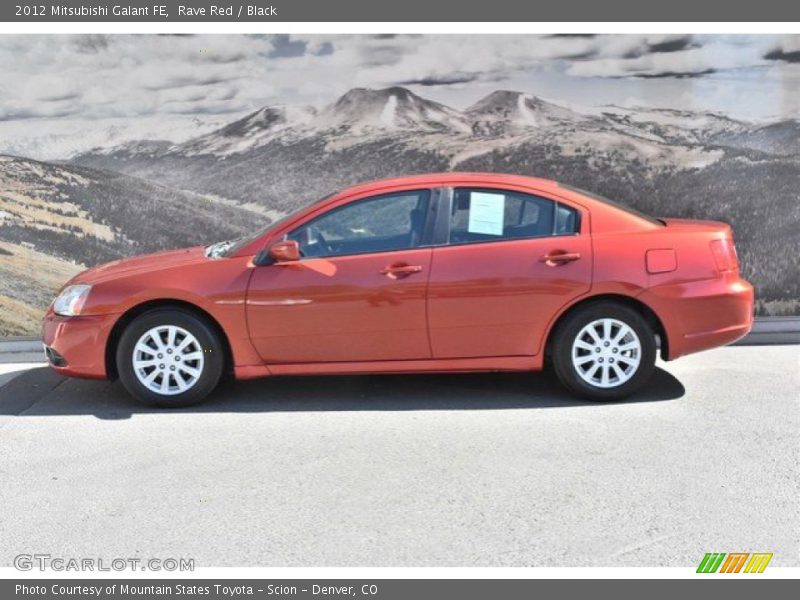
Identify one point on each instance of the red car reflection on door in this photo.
(443, 272)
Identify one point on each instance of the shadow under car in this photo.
(41, 392)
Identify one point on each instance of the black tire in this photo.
(567, 332)
(206, 336)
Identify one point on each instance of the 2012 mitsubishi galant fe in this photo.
(446, 272)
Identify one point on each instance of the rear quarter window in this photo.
(483, 215)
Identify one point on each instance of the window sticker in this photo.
(486, 213)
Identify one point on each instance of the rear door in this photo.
(509, 261)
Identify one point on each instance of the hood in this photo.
(141, 264)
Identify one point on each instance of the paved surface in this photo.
(10, 370)
(18, 356)
(411, 470)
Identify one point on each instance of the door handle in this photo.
(559, 258)
(397, 271)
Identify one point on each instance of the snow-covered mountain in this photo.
(677, 126)
(278, 152)
(361, 111)
(59, 139)
(358, 113)
(507, 112)
(249, 132)
(502, 119)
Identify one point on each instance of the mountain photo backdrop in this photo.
(112, 146)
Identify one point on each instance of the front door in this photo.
(358, 293)
(511, 262)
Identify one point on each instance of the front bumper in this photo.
(700, 315)
(76, 346)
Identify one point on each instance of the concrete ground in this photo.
(18, 355)
(11, 370)
(436, 470)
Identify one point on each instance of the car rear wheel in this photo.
(170, 358)
(604, 351)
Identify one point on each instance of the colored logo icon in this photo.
(734, 562)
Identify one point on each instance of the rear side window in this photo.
(566, 220)
(480, 215)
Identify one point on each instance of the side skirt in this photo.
(448, 365)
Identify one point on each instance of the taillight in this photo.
(725, 255)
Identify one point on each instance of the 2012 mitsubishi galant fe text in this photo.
(445, 272)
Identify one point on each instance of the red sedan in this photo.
(445, 272)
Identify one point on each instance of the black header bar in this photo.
(390, 589)
(394, 11)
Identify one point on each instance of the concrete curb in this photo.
(773, 330)
(766, 331)
(20, 344)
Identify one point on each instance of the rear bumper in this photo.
(700, 315)
(77, 345)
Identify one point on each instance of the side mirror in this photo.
(285, 251)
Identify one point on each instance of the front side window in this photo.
(378, 224)
(479, 215)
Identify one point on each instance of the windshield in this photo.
(604, 200)
(230, 247)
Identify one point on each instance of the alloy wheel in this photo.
(606, 353)
(168, 360)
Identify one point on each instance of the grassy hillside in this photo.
(28, 280)
(55, 220)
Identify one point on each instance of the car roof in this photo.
(469, 178)
(600, 206)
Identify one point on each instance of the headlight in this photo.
(71, 300)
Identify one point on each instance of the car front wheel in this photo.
(170, 358)
(604, 351)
